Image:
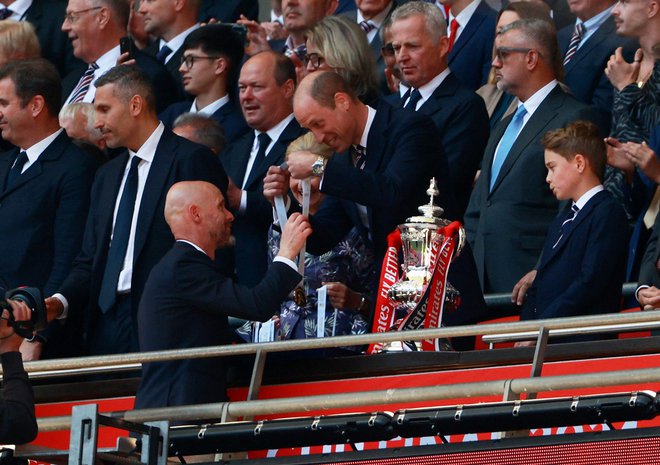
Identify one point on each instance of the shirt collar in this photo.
(367, 127)
(177, 41)
(592, 24)
(533, 102)
(192, 244)
(464, 16)
(108, 60)
(19, 8)
(582, 201)
(37, 149)
(376, 20)
(427, 89)
(211, 107)
(276, 131)
(148, 149)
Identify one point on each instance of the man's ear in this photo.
(342, 101)
(580, 162)
(36, 105)
(136, 105)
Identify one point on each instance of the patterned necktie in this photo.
(16, 169)
(81, 89)
(163, 53)
(5, 13)
(452, 33)
(415, 95)
(567, 222)
(575, 42)
(359, 154)
(367, 26)
(507, 141)
(119, 243)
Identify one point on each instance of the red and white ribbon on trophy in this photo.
(429, 308)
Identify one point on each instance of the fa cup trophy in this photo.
(417, 298)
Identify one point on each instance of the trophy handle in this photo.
(462, 237)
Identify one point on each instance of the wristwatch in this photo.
(318, 167)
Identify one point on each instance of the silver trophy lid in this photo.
(431, 213)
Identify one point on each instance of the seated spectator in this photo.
(77, 119)
(201, 129)
(582, 265)
(18, 40)
(339, 44)
(348, 271)
(500, 104)
(209, 69)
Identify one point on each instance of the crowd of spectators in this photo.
(369, 99)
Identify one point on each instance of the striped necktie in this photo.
(567, 222)
(575, 42)
(367, 26)
(83, 85)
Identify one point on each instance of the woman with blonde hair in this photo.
(18, 40)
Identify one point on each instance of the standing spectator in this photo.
(128, 197)
(511, 207)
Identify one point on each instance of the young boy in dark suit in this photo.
(583, 262)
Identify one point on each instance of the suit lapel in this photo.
(6, 161)
(154, 187)
(469, 30)
(446, 88)
(489, 154)
(108, 197)
(530, 133)
(602, 33)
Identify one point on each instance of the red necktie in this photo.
(452, 33)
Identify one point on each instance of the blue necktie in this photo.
(16, 169)
(120, 235)
(507, 141)
(567, 222)
(163, 53)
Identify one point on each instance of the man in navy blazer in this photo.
(511, 207)
(228, 11)
(459, 114)
(95, 35)
(104, 288)
(582, 266)
(401, 157)
(471, 50)
(266, 86)
(212, 57)
(187, 300)
(44, 188)
(584, 69)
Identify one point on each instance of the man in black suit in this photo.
(46, 16)
(212, 56)
(126, 233)
(228, 11)
(170, 22)
(421, 48)
(186, 300)
(266, 86)
(44, 188)
(585, 47)
(471, 29)
(94, 28)
(371, 16)
(378, 190)
(511, 207)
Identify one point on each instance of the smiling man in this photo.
(126, 233)
(265, 90)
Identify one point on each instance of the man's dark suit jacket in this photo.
(507, 227)
(462, 122)
(472, 54)
(18, 425)
(185, 304)
(176, 159)
(47, 17)
(43, 222)
(228, 11)
(376, 44)
(584, 74)
(172, 66)
(402, 156)
(583, 274)
(250, 227)
(228, 116)
(164, 86)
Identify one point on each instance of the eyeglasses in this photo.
(189, 60)
(73, 16)
(387, 50)
(313, 59)
(503, 52)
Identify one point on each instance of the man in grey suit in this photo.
(511, 206)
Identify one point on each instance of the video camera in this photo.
(32, 298)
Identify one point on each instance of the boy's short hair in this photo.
(581, 137)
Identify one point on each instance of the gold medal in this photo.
(299, 296)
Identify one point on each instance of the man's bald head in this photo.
(184, 194)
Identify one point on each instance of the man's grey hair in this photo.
(206, 130)
(435, 23)
(538, 33)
